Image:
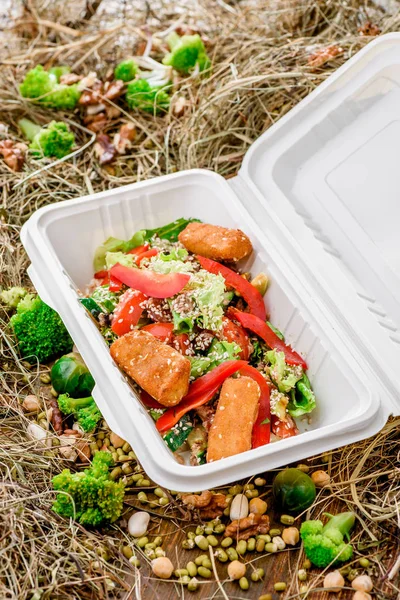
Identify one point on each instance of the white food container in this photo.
(319, 196)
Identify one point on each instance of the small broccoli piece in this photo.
(59, 71)
(39, 330)
(54, 140)
(89, 496)
(126, 70)
(324, 544)
(140, 94)
(12, 296)
(186, 52)
(42, 86)
(84, 410)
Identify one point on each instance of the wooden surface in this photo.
(282, 566)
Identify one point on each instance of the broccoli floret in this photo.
(324, 544)
(89, 496)
(140, 94)
(54, 140)
(186, 52)
(84, 410)
(126, 70)
(12, 296)
(39, 330)
(43, 87)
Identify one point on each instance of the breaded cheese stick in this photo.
(218, 243)
(235, 416)
(159, 369)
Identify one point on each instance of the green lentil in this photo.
(204, 572)
(119, 451)
(93, 448)
(191, 568)
(251, 544)
(265, 597)
(101, 435)
(251, 494)
(45, 378)
(114, 454)
(270, 547)
(226, 542)
(180, 572)
(352, 574)
(307, 564)
(260, 545)
(303, 590)
(345, 571)
(55, 442)
(191, 535)
(226, 511)
(201, 542)
(137, 477)
(160, 493)
(199, 530)
(232, 554)
(248, 486)
(259, 481)
(141, 542)
(220, 528)
(244, 583)
(257, 574)
(163, 501)
(265, 537)
(199, 559)
(207, 563)
(364, 562)
(287, 519)
(302, 575)
(159, 552)
(188, 544)
(54, 393)
(221, 555)
(127, 480)
(150, 546)
(235, 489)
(132, 455)
(149, 552)
(127, 469)
(280, 586)
(145, 483)
(304, 468)
(193, 585)
(124, 458)
(126, 447)
(241, 547)
(209, 529)
(127, 551)
(158, 540)
(212, 540)
(184, 580)
(142, 497)
(274, 532)
(134, 561)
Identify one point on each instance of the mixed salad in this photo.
(192, 332)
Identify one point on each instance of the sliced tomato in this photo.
(101, 274)
(283, 429)
(128, 312)
(232, 332)
(146, 254)
(139, 249)
(157, 285)
(115, 285)
(162, 331)
(149, 401)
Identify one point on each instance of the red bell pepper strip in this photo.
(283, 429)
(157, 285)
(200, 392)
(127, 312)
(146, 254)
(149, 401)
(174, 414)
(101, 274)
(231, 332)
(115, 285)
(261, 329)
(139, 249)
(162, 331)
(262, 427)
(250, 294)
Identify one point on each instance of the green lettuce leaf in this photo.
(182, 324)
(126, 260)
(283, 375)
(302, 398)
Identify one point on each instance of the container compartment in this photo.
(61, 240)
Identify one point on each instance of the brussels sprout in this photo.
(293, 490)
(70, 375)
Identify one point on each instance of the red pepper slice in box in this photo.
(101, 274)
(231, 332)
(283, 429)
(149, 401)
(200, 392)
(146, 254)
(262, 426)
(250, 294)
(162, 331)
(114, 284)
(261, 329)
(139, 249)
(157, 285)
(127, 312)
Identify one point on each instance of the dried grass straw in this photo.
(259, 51)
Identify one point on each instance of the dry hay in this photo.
(260, 71)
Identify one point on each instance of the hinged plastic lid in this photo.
(329, 173)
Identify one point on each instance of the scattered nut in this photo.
(138, 523)
(124, 137)
(116, 441)
(239, 507)
(13, 154)
(290, 536)
(31, 403)
(104, 149)
(320, 478)
(162, 567)
(236, 570)
(334, 581)
(362, 583)
(361, 596)
(258, 506)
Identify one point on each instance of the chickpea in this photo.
(236, 570)
(162, 567)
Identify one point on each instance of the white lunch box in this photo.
(319, 196)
